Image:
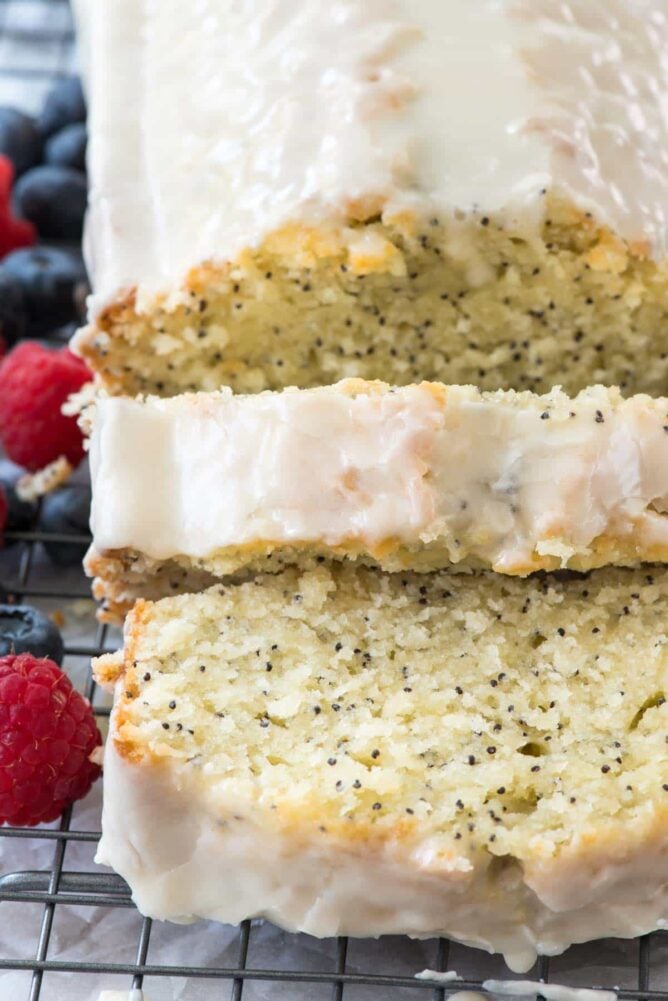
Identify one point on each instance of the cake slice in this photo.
(192, 489)
(470, 193)
(348, 752)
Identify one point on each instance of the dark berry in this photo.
(54, 200)
(13, 322)
(64, 105)
(21, 514)
(53, 281)
(24, 629)
(66, 512)
(61, 336)
(20, 140)
(67, 148)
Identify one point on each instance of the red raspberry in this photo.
(14, 233)
(47, 734)
(4, 512)
(34, 383)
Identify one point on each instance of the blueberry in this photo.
(66, 512)
(53, 280)
(64, 105)
(60, 336)
(13, 323)
(19, 139)
(67, 148)
(22, 514)
(54, 200)
(23, 629)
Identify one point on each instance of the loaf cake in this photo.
(345, 751)
(308, 191)
(191, 489)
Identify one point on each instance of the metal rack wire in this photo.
(36, 46)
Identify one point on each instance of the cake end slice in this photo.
(348, 752)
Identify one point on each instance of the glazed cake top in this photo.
(217, 122)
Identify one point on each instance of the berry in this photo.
(12, 308)
(14, 233)
(20, 141)
(66, 512)
(21, 515)
(53, 283)
(24, 629)
(35, 382)
(64, 104)
(4, 513)
(67, 148)
(47, 736)
(54, 200)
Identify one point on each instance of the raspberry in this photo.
(47, 734)
(34, 383)
(4, 512)
(14, 233)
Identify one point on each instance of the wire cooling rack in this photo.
(355, 971)
(36, 47)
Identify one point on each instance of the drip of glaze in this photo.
(441, 978)
(551, 992)
(133, 995)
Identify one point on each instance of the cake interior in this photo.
(472, 300)
(477, 711)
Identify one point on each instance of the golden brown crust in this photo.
(111, 669)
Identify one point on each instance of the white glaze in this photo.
(191, 850)
(133, 995)
(483, 474)
(466, 996)
(551, 992)
(439, 977)
(239, 117)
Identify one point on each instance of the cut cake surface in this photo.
(349, 752)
